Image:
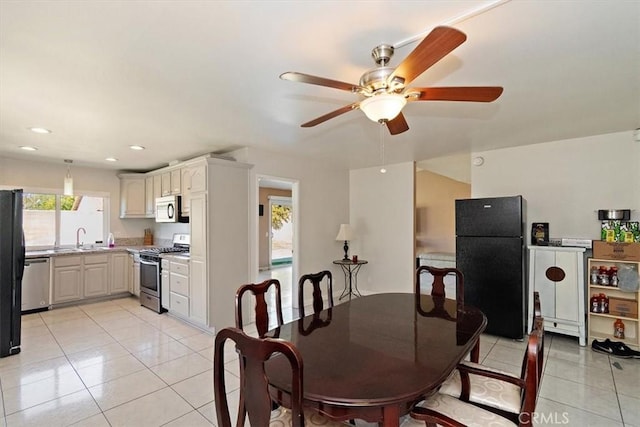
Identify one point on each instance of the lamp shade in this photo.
(345, 233)
(385, 106)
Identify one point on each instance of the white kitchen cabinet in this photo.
(132, 196)
(219, 236)
(118, 280)
(176, 179)
(198, 260)
(185, 192)
(133, 265)
(166, 183)
(170, 182)
(194, 179)
(149, 201)
(557, 273)
(157, 189)
(198, 291)
(95, 275)
(198, 177)
(67, 279)
(179, 291)
(164, 282)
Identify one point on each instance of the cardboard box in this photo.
(616, 251)
(623, 307)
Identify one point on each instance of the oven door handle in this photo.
(153, 263)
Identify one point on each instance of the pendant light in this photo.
(68, 179)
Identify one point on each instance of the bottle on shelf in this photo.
(594, 304)
(618, 329)
(594, 275)
(604, 303)
(603, 276)
(613, 276)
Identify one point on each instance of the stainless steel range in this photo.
(150, 271)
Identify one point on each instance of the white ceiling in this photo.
(183, 78)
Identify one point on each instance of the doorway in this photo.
(276, 231)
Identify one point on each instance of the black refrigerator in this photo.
(11, 270)
(490, 253)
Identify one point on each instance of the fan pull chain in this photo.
(382, 132)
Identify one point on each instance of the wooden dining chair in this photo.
(316, 280)
(516, 410)
(254, 384)
(438, 290)
(261, 295)
(260, 292)
(497, 391)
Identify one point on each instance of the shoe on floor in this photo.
(615, 348)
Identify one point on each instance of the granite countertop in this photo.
(81, 251)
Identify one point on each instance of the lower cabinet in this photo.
(133, 267)
(557, 273)
(77, 277)
(165, 299)
(187, 288)
(198, 291)
(179, 285)
(95, 275)
(119, 280)
(67, 279)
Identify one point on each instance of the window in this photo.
(54, 220)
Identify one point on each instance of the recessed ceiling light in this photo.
(28, 148)
(136, 147)
(39, 130)
(111, 159)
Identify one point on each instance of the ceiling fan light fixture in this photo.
(383, 107)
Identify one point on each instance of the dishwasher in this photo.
(35, 285)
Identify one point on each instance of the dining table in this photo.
(374, 357)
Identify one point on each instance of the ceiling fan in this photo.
(384, 89)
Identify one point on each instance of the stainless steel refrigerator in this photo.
(490, 253)
(11, 270)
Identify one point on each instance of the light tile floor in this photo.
(115, 363)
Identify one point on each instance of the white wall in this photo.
(565, 182)
(382, 216)
(322, 194)
(32, 175)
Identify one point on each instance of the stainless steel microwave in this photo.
(168, 209)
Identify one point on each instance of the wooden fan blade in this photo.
(397, 125)
(433, 48)
(462, 93)
(320, 81)
(331, 115)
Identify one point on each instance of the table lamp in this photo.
(345, 233)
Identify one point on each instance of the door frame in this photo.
(254, 242)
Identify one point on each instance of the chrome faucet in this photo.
(78, 236)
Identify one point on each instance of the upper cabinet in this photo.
(194, 180)
(175, 181)
(150, 201)
(138, 191)
(170, 182)
(132, 196)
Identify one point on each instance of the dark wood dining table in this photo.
(376, 356)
